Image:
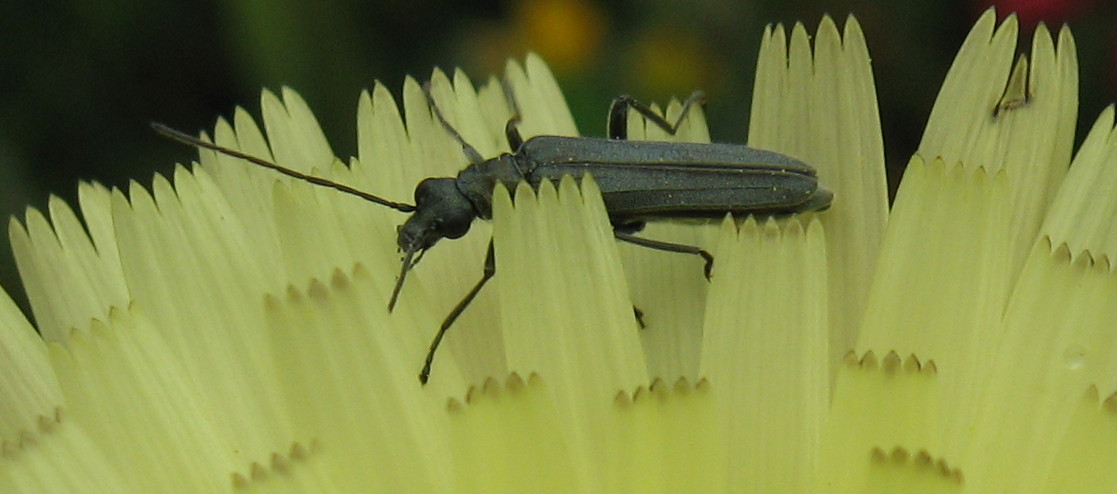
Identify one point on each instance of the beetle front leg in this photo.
(470, 152)
(486, 275)
(618, 114)
(670, 247)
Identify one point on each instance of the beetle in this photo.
(640, 181)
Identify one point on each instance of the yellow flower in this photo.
(228, 330)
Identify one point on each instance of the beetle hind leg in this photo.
(618, 114)
(670, 247)
(628, 227)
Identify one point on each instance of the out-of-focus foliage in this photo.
(79, 81)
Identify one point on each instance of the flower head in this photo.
(229, 328)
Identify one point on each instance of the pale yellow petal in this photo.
(765, 348)
(1019, 117)
(820, 106)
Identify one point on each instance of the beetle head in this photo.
(441, 211)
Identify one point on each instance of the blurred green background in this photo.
(81, 80)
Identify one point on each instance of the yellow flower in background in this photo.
(568, 33)
(228, 329)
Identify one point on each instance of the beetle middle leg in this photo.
(486, 275)
(618, 114)
(512, 127)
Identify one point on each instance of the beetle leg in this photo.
(639, 316)
(618, 114)
(487, 274)
(669, 247)
(470, 151)
(512, 128)
(629, 227)
(512, 133)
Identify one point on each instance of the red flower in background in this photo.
(1030, 12)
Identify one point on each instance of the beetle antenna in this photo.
(404, 268)
(194, 141)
